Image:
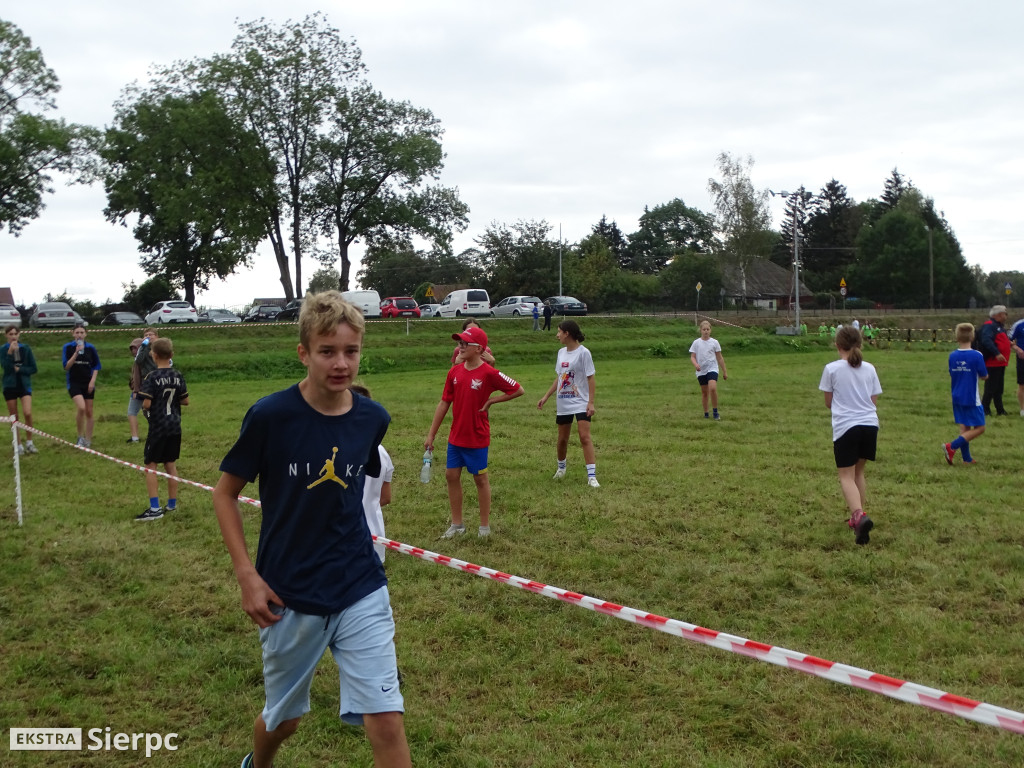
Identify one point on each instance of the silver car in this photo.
(9, 315)
(219, 316)
(55, 314)
(514, 306)
(430, 310)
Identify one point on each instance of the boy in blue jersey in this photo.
(966, 368)
(317, 582)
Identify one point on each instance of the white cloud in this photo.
(572, 110)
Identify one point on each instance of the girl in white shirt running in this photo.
(851, 390)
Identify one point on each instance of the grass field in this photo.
(736, 526)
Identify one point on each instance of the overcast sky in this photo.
(567, 111)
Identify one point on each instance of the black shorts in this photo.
(76, 389)
(855, 444)
(162, 450)
(1020, 372)
(16, 393)
(568, 417)
(709, 376)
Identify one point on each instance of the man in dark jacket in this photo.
(994, 344)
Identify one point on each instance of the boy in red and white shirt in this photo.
(467, 391)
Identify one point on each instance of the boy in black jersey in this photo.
(163, 393)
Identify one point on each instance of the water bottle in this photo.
(428, 458)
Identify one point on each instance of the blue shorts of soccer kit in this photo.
(969, 415)
(362, 641)
(473, 459)
(854, 444)
(710, 376)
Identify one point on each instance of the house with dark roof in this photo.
(766, 285)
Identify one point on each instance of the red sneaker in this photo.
(948, 453)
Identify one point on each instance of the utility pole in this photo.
(798, 201)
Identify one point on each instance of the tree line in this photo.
(283, 139)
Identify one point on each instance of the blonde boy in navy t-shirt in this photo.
(317, 582)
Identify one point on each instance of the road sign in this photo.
(842, 291)
(699, 286)
(430, 292)
(842, 283)
(1008, 288)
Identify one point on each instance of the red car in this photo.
(399, 306)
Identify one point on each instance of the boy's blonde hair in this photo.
(964, 333)
(162, 348)
(321, 313)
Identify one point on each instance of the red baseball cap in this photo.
(472, 335)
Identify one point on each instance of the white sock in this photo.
(561, 464)
(591, 470)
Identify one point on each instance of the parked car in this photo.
(291, 310)
(54, 314)
(430, 310)
(9, 315)
(368, 301)
(471, 302)
(514, 306)
(566, 305)
(260, 312)
(399, 306)
(219, 316)
(122, 318)
(172, 311)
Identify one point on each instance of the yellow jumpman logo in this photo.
(327, 473)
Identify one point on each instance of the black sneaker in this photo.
(862, 529)
(150, 514)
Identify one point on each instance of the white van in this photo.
(471, 302)
(368, 301)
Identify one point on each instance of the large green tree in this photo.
(742, 220)
(522, 258)
(910, 257)
(829, 249)
(372, 172)
(667, 230)
(196, 181)
(284, 83)
(32, 146)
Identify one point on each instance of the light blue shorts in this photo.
(134, 405)
(362, 641)
(473, 459)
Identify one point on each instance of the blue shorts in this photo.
(362, 641)
(969, 415)
(473, 459)
(709, 376)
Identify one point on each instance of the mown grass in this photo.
(735, 526)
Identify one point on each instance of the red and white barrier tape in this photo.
(912, 693)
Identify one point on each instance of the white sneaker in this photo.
(1022, 413)
(485, 531)
(30, 447)
(558, 475)
(453, 531)
(21, 449)
(592, 482)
